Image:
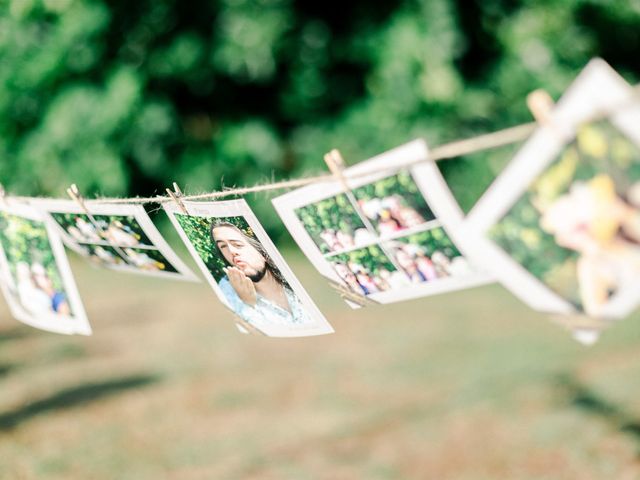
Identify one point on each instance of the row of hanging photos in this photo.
(560, 228)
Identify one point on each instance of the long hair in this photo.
(251, 240)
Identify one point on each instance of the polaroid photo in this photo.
(119, 237)
(560, 226)
(245, 269)
(35, 277)
(383, 239)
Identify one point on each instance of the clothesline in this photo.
(446, 151)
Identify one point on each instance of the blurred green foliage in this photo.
(125, 97)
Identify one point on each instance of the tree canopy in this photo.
(125, 97)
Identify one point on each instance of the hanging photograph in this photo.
(245, 269)
(35, 277)
(119, 237)
(383, 238)
(561, 225)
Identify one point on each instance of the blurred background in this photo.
(125, 97)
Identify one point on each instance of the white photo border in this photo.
(240, 208)
(77, 323)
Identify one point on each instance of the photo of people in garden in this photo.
(35, 281)
(393, 204)
(418, 258)
(383, 208)
(382, 236)
(367, 270)
(577, 227)
(334, 224)
(428, 256)
(102, 254)
(114, 230)
(116, 241)
(147, 259)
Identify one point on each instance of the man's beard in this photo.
(259, 275)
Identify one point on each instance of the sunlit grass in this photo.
(469, 385)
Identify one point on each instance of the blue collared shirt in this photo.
(265, 313)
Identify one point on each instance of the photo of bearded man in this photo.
(253, 285)
(245, 269)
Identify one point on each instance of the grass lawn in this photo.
(470, 385)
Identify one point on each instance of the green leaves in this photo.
(125, 98)
(246, 42)
(81, 137)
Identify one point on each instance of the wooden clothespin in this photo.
(540, 105)
(175, 196)
(75, 195)
(336, 165)
(350, 295)
(335, 162)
